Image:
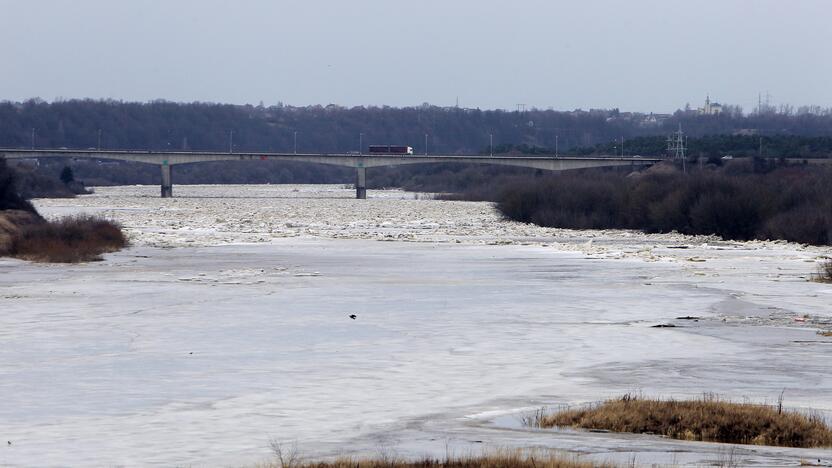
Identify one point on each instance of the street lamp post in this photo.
(33, 138)
(360, 143)
(491, 144)
(426, 144)
(296, 142)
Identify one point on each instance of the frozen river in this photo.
(227, 325)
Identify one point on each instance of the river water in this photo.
(227, 325)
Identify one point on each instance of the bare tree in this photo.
(287, 457)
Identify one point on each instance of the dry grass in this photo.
(497, 460)
(70, 240)
(826, 333)
(824, 273)
(706, 419)
(468, 462)
(11, 223)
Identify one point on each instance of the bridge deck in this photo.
(344, 159)
(167, 159)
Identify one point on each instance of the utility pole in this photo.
(360, 143)
(622, 146)
(491, 143)
(231, 141)
(296, 142)
(426, 144)
(556, 146)
(99, 139)
(33, 138)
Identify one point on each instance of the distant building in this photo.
(654, 120)
(711, 108)
(604, 112)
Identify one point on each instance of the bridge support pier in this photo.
(361, 183)
(167, 182)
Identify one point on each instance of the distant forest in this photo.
(161, 125)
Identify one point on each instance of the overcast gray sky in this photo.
(633, 54)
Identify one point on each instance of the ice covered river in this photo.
(227, 325)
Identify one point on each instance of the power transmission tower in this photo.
(763, 107)
(676, 147)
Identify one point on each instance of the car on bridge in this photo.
(390, 149)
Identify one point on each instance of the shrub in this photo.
(790, 203)
(11, 222)
(824, 274)
(705, 419)
(70, 240)
(807, 224)
(67, 175)
(731, 217)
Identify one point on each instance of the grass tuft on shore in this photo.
(497, 460)
(69, 240)
(824, 274)
(706, 419)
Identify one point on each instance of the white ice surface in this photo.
(199, 355)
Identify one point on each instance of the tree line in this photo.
(161, 125)
(736, 201)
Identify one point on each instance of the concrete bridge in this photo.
(167, 159)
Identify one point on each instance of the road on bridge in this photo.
(167, 159)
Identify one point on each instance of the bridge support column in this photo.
(361, 183)
(167, 182)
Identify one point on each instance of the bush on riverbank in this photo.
(25, 234)
(793, 204)
(11, 223)
(705, 419)
(69, 240)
